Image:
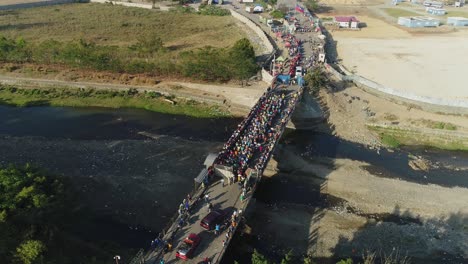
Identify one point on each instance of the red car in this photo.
(188, 246)
(214, 217)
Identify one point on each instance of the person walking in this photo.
(217, 229)
(207, 198)
(222, 182)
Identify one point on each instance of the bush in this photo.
(277, 14)
(315, 79)
(390, 141)
(149, 56)
(211, 10)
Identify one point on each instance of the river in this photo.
(133, 167)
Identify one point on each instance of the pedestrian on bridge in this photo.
(222, 182)
(207, 198)
(217, 227)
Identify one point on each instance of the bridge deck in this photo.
(228, 196)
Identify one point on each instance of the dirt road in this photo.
(239, 99)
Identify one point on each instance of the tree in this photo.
(258, 258)
(29, 251)
(315, 80)
(31, 206)
(287, 258)
(242, 60)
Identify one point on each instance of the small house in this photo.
(346, 21)
(457, 21)
(436, 11)
(418, 22)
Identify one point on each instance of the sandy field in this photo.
(410, 63)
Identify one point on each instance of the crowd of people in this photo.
(252, 145)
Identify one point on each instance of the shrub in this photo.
(211, 10)
(390, 141)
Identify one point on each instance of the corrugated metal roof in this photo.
(346, 19)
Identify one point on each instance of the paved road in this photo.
(211, 244)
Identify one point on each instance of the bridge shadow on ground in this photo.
(291, 201)
(400, 234)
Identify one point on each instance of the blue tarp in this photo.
(284, 78)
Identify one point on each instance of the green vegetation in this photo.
(456, 14)
(312, 5)
(345, 261)
(288, 258)
(395, 137)
(434, 124)
(277, 14)
(315, 80)
(443, 125)
(131, 98)
(148, 56)
(258, 258)
(212, 10)
(113, 25)
(397, 12)
(178, 47)
(390, 141)
(37, 222)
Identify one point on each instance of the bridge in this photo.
(231, 178)
(232, 175)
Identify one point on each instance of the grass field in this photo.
(456, 14)
(397, 12)
(151, 101)
(394, 138)
(118, 25)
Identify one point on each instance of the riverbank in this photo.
(131, 98)
(364, 118)
(335, 199)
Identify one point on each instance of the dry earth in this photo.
(349, 112)
(411, 62)
(374, 213)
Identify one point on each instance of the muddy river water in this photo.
(133, 167)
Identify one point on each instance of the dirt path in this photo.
(238, 99)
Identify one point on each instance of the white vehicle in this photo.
(299, 71)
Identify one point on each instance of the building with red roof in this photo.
(347, 21)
